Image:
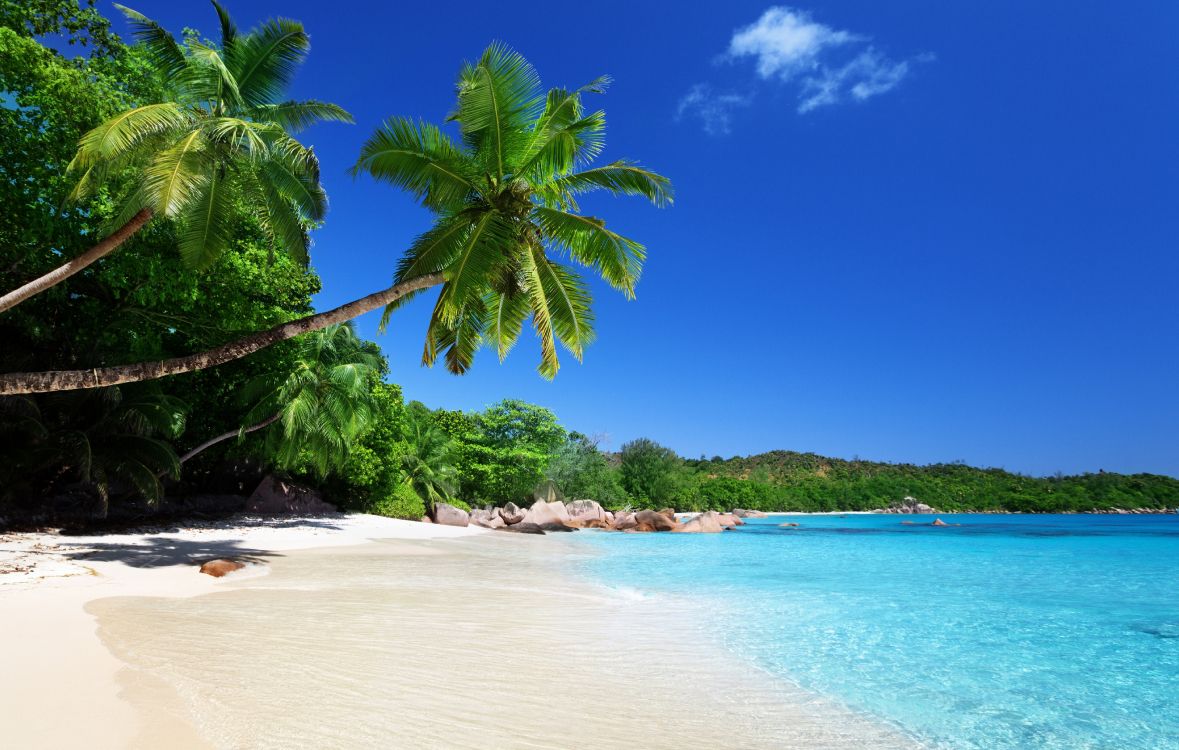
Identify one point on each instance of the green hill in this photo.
(787, 480)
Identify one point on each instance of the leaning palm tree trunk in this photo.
(71, 380)
(68, 269)
(232, 433)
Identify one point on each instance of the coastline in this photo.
(565, 650)
(61, 688)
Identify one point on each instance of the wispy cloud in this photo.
(824, 65)
(714, 109)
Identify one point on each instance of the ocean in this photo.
(1055, 631)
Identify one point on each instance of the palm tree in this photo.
(429, 461)
(107, 440)
(223, 132)
(505, 198)
(321, 406)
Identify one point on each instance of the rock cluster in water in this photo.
(908, 505)
(555, 515)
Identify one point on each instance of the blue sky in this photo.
(905, 231)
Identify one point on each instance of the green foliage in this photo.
(110, 441)
(581, 471)
(372, 477)
(650, 471)
(217, 135)
(504, 197)
(324, 403)
(789, 481)
(502, 452)
(138, 304)
(401, 501)
(428, 461)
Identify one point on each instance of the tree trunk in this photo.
(15, 383)
(232, 433)
(68, 269)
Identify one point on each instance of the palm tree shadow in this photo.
(160, 552)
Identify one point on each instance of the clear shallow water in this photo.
(480, 643)
(1004, 632)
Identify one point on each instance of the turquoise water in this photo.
(1004, 632)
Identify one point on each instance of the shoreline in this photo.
(137, 592)
(55, 662)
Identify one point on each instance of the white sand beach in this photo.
(432, 636)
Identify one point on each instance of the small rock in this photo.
(623, 521)
(274, 495)
(543, 512)
(512, 513)
(649, 520)
(523, 528)
(707, 522)
(220, 567)
(585, 510)
(743, 513)
(448, 515)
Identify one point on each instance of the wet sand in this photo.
(483, 641)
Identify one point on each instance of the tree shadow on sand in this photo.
(159, 552)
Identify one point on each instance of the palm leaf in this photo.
(176, 175)
(498, 99)
(478, 254)
(228, 30)
(506, 312)
(568, 305)
(205, 223)
(421, 159)
(163, 51)
(208, 78)
(278, 218)
(620, 178)
(541, 314)
(589, 242)
(294, 116)
(125, 131)
(265, 59)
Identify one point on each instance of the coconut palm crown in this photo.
(223, 131)
(323, 405)
(505, 200)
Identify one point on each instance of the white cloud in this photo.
(712, 108)
(825, 65)
(865, 76)
(786, 43)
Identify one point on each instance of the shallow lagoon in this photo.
(1003, 632)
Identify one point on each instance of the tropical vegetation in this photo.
(213, 286)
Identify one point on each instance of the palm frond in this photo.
(205, 229)
(295, 116)
(466, 274)
(462, 338)
(506, 312)
(419, 158)
(300, 186)
(620, 178)
(228, 30)
(590, 243)
(163, 51)
(208, 78)
(277, 216)
(552, 145)
(176, 175)
(120, 134)
(569, 303)
(265, 59)
(498, 98)
(541, 315)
